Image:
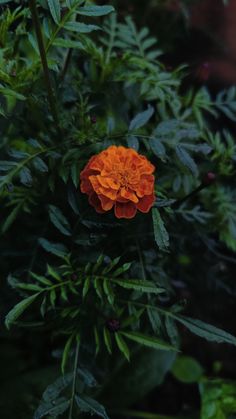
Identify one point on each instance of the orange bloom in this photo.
(119, 178)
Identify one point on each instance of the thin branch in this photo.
(43, 56)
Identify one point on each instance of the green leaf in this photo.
(186, 159)
(86, 404)
(19, 308)
(206, 331)
(122, 345)
(57, 249)
(40, 165)
(149, 341)
(138, 285)
(107, 340)
(12, 93)
(55, 9)
(54, 409)
(141, 119)
(86, 286)
(108, 291)
(81, 27)
(41, 279)
(11, 218)
(160, 233)
(59, 220)
(66, 353)
(53, 273)
(94, 11)
(67, 43)
(25, 176)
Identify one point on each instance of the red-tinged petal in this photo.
(96, 203)
(145, 186)
(106, 203)
(126, 210)
(86, 186)
(128, 194)
(146, 203)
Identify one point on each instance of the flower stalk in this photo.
(43, 56)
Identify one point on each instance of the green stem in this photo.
(74, 381)
(43, 56)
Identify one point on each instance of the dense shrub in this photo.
(103, 303)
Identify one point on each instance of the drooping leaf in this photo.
(122, 345)
(160, 233)
(55, 409)
(206, 331)
(141, 119)
(19, 308)
(57, 249)
(59, 220)
(89, 405)
(149, 341)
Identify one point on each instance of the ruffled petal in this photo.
(145, 186)
(146, 203)
(128, 194)
(106, 203)
(96, 203)
(100, 190)
(126, 210)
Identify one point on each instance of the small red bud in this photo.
(119, 54)
(74, 277)
(209, 178)
(113, 325)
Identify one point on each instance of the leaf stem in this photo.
(43, 56)
(74, 380)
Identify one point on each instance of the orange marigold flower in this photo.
(119, 178)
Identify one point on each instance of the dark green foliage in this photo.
(104, 292)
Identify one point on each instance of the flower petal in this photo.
(106, 203)
(126, 210)
(146, 203)
(128, 194)
(96, 203)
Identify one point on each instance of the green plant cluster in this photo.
(75, 79)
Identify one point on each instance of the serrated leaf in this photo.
(206, 331)
(81, 27)
(141, 119)
(55, 9)
(88, 405)
(122, 345)
(19, 308)
(160, 233)
(148, 341)
(25, 176)
(67, 43)
(40, 165)
(94, 11)
(186, 159)
(57, 249)
(139, 285)
(59, 220)
(58, 407)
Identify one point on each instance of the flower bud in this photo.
(204, 71)
(93, 119)
(209, 178)
(113, 325)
